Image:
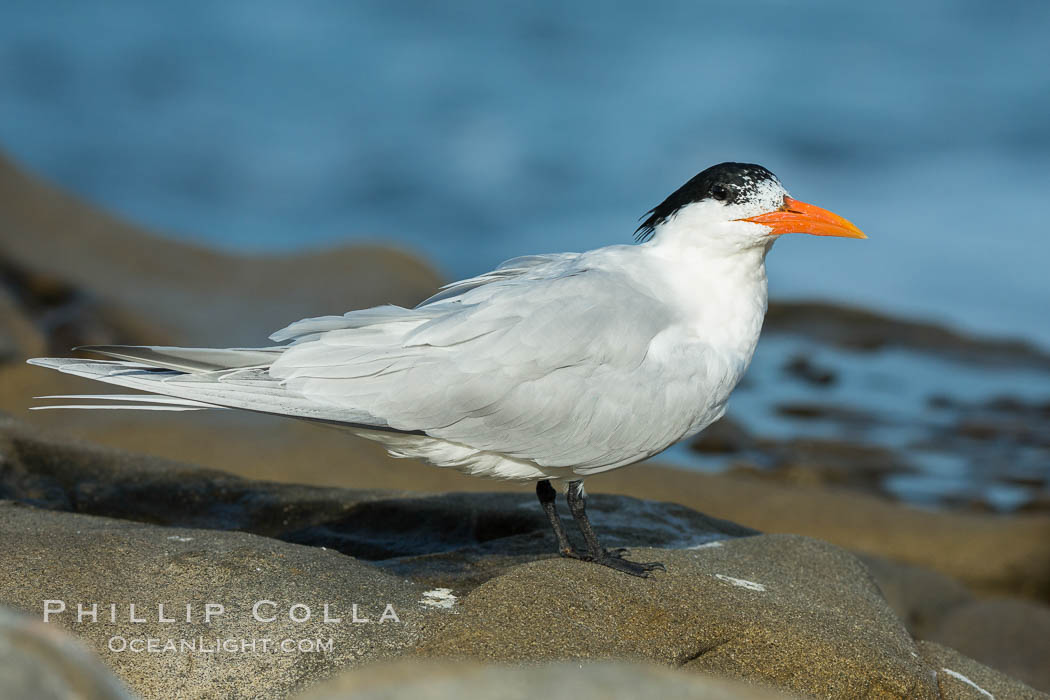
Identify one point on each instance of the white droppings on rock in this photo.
(958, 676)
(743, 583)
(707, 545)
(438, 598)
(178, 538)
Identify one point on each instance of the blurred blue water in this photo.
(476, 131)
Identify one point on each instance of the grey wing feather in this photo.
(511, 269)
(521, 365)
(386, 317)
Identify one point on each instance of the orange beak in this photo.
(799, 217)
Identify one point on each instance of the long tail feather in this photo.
(189, 359)
(121, 407)
(161, 402)
(244, 388)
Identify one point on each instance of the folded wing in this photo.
(521, 366)
(543, 359)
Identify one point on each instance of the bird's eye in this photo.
(720, 192)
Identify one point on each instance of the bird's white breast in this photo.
(719, 303)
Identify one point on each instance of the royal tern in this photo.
(550, 367)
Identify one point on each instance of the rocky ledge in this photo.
(443, 587)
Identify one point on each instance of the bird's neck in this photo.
(720, 293)
(712, 268)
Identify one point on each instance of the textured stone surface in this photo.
(418, 680)
(48, 555)
(38, 661)
(789, 611)
(470, 575)
(919, 596)
(441, 540)
(1012, 636)
(962, 678)
(987, 553)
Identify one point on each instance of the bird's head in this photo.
(737, 206)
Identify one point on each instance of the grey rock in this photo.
(786, 611)
(461, 540)
(87, 560)
(1012, 636)
(418, 680)
(451, 540)
(920, 597)
(962, 678)
(38, 661)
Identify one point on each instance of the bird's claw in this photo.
(639, 569)
(613, 558)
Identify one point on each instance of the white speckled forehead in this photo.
(766, 194)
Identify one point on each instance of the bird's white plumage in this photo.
(550, 366)
(576, 361)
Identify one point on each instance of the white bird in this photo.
(550, 367)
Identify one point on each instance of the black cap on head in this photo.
(725, 182)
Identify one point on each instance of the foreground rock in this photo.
(783, 610)
(74, 560)
(1005, 555)
(469, 575)
(38, 661)
(553, 681)
(1010, 635)
(989, 553)
(965, 679)
(449, 539)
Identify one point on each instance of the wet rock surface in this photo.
(989, 455)
(825, 461)
(866, 330)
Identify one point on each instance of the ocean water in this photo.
(476, 131)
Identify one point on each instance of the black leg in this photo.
(546, 493)
(596, 553)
